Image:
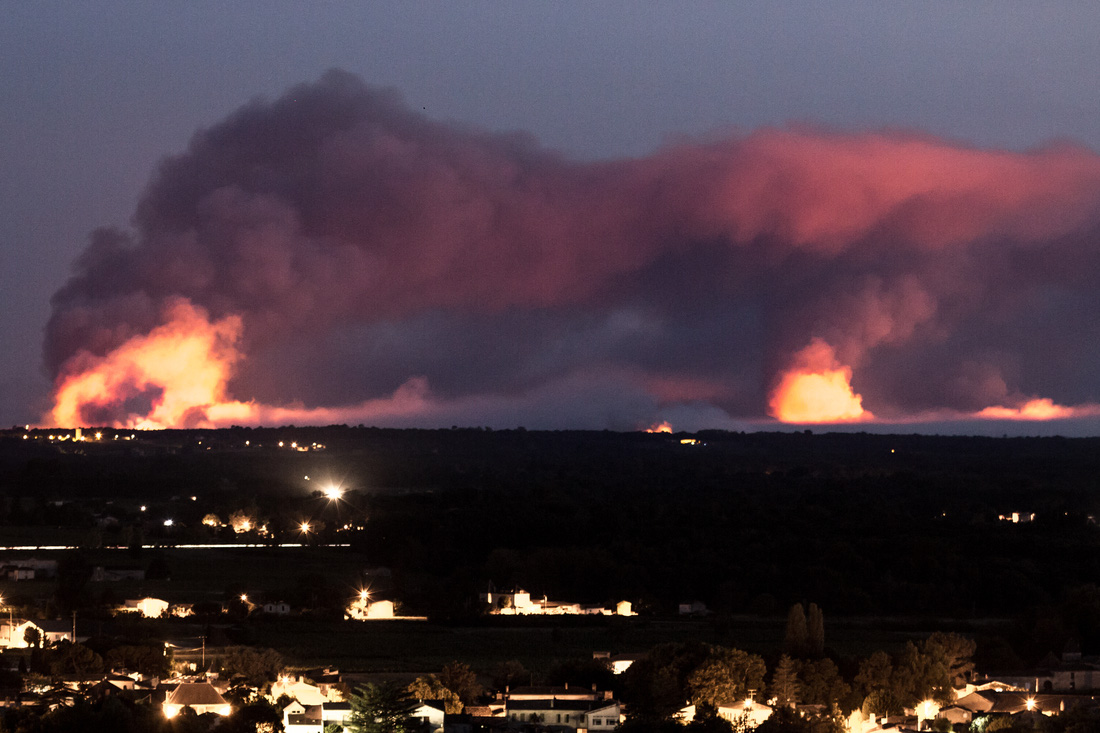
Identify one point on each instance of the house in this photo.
(694, 608)
(430, 714)
(55, 631)
(562, 707)
(605, 718)
(117, 573)
(199, 696)
(147, 607)
(13, 633)
(16, 573)
(741, 715)
(298, 718)
(299, 690)
(519, 602)
(362, 609)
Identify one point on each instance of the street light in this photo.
(333, 492)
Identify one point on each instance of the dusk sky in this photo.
(589, 215)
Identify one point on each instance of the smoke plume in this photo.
(333, 256)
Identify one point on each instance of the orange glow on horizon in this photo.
(177, 376)
(1040, 408)
(183, 364)
(817, 390)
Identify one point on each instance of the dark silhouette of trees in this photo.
(386, 707)
(461, 680)
(796, 639)
(815, 631)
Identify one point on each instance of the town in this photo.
(319, 580)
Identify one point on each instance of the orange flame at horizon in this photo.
(817, 390)
(180, 369)
(1039, 408)
(177, 376)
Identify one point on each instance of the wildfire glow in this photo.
(817, 390)
(180, 368)
(1038, 409)
(663, 427)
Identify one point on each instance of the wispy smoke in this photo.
(362, 245)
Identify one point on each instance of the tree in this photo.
(461, 680)
(822, 683)
(510, 673)
(69, 658)
(875, 681)
(785, 685)
(145, 658)
(957, 653)
(430, 688)
(656, 686)
(796, 639)
(257, 666)
(726, 675)
(383, 708)
(920, 675)
(815, 631)
(33, 637)
(586, 672)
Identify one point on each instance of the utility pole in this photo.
(74, 627)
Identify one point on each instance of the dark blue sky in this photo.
(93, 95)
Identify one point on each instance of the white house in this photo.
(430, 714)
(147, 607)
(747, 714)
(362, 609)
(199, 696)
(298, 718)
(298, 689)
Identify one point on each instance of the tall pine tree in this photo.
(796, 640)
(815, 631)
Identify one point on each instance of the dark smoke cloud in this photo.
(364, 244)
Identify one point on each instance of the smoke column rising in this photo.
(332, 256)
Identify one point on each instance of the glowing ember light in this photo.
(817, 389)
(662, 427)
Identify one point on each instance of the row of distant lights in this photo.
(80, 438)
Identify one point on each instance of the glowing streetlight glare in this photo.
(1031, 703)
(304, 526)
(244, 597)
(333, 492)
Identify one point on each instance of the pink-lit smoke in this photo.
(355, 261)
